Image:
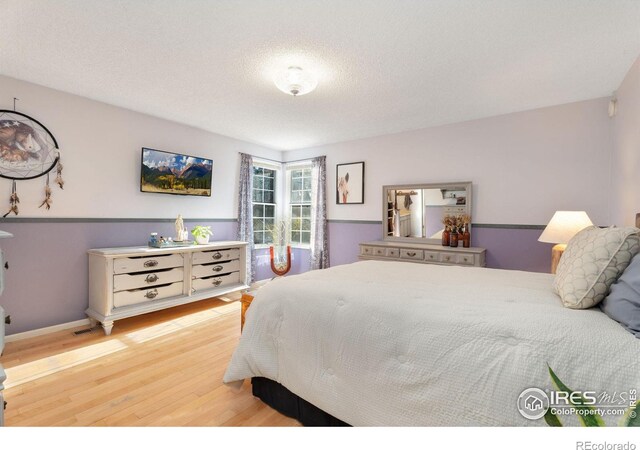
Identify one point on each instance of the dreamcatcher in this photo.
(27, 151)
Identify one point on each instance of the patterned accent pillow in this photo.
(593, 260)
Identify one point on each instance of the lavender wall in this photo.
(48, 276)
(625, 165)
(47, 282)
(507, 247)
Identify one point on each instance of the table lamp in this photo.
(561, 228)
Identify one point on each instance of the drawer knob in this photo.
(217, 268)
(411, 253)
(217, 255)
(151, 294)
(152, 278)
(151, 263)
(216, 282)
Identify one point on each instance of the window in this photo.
(300, 204)
(264, 204)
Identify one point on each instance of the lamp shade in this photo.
(564, 225)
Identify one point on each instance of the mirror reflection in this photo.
(417, 211)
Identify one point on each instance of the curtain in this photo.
(319, 234)
(245, 212)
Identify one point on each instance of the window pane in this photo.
(258, 237)
(268, 183)
(257, 170)
(305, 237)
(306, 211)
(295, 236)
(269, 173)
(307, 183)
(269, 211)
(295, 224)
(296, 184)
(258, 225)
(269, 197)
(268, 238)
(258, 182)
(257, 196)
(296, 173)
(269, 224)
(296, 197)
(306, 197)
(306, 224)
(258, 211)
(295, 211)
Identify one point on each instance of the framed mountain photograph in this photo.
(174, 173)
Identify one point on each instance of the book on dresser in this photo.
(129, 281)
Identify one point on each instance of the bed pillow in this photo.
(593, 260)
(623, 302)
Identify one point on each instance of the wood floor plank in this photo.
(159, 369)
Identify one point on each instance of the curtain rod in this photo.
(276, 161)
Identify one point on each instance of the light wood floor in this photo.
(160, 369)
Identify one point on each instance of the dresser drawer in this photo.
(146, 263)
(126, 281)
(407, 253)
(133, 297)
(215, 255)
(449, 258)
(393, 253)
(208, 270)
(465, 259)
(432, 256)
(204, 284)
(366, 251)
(379, 251)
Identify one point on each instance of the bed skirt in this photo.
(286, 402)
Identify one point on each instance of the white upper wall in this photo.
(524, 166)
(101, 145)
(625, 182)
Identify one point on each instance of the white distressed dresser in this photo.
(423, 253)
(130, 281)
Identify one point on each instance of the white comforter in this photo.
(391, 343)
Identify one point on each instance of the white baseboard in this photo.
(46, 330)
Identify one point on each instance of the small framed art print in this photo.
(350, 183)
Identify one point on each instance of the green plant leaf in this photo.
(589, 418)
(631, 418)
(551, 419)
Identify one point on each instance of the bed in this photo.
(401, 344)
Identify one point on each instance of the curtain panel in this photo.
(245, 213)
(319, 232)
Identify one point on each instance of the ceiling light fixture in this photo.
(295, 81)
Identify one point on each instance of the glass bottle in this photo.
(453, 239)
(446, 235)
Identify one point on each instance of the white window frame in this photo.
(300, 165)
(277, 168)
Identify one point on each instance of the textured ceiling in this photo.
(383, 66)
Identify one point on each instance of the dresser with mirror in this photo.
(412, 225)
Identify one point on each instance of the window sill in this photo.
(299, 246)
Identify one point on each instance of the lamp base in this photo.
(556, 254)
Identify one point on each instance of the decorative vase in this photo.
(202, 240)
(453, 241)
(446, 235)
(466, 237)
(280, 257)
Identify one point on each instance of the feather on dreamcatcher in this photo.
(27, 151)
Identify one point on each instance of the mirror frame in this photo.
(422, 240)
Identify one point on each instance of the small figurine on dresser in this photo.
(181, 231)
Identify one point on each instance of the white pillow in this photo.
(593, 260)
